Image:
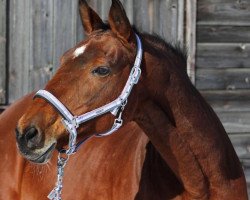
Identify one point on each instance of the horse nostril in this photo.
(32, 137)
(31, 133)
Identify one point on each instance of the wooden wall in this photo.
(2, 50)
(40, 31)
(37, 33)
(223, 67)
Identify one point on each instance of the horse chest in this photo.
(107, 168)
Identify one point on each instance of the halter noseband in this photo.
(71, 122)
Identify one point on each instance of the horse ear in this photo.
(119, 22)
(90, 19)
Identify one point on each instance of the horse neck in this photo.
(183, 127)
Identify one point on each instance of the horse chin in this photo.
(43, 156)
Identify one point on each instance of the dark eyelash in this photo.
(101, 71)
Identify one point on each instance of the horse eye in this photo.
(101, 71)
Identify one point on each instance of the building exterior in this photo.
(34, 34)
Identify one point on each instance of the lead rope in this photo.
(56, 193)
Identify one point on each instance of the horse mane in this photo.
(169, 50)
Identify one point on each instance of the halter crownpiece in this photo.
(72, 122)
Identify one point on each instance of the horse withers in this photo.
(172, 145)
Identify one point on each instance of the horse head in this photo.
(91, 74)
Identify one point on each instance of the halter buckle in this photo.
(136, 75)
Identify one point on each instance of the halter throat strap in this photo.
(115, 107)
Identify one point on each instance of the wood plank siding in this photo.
(223, 58)
(223, 67)
(224, 12)
(41, 31)
(3, 40)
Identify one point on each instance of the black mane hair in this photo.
(164, 48)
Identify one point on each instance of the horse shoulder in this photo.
(11, 164)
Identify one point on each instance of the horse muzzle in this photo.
(32, 146)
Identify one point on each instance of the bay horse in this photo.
(171, 146)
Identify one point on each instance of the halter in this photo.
(72, 122)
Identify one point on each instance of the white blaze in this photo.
(79, 51)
